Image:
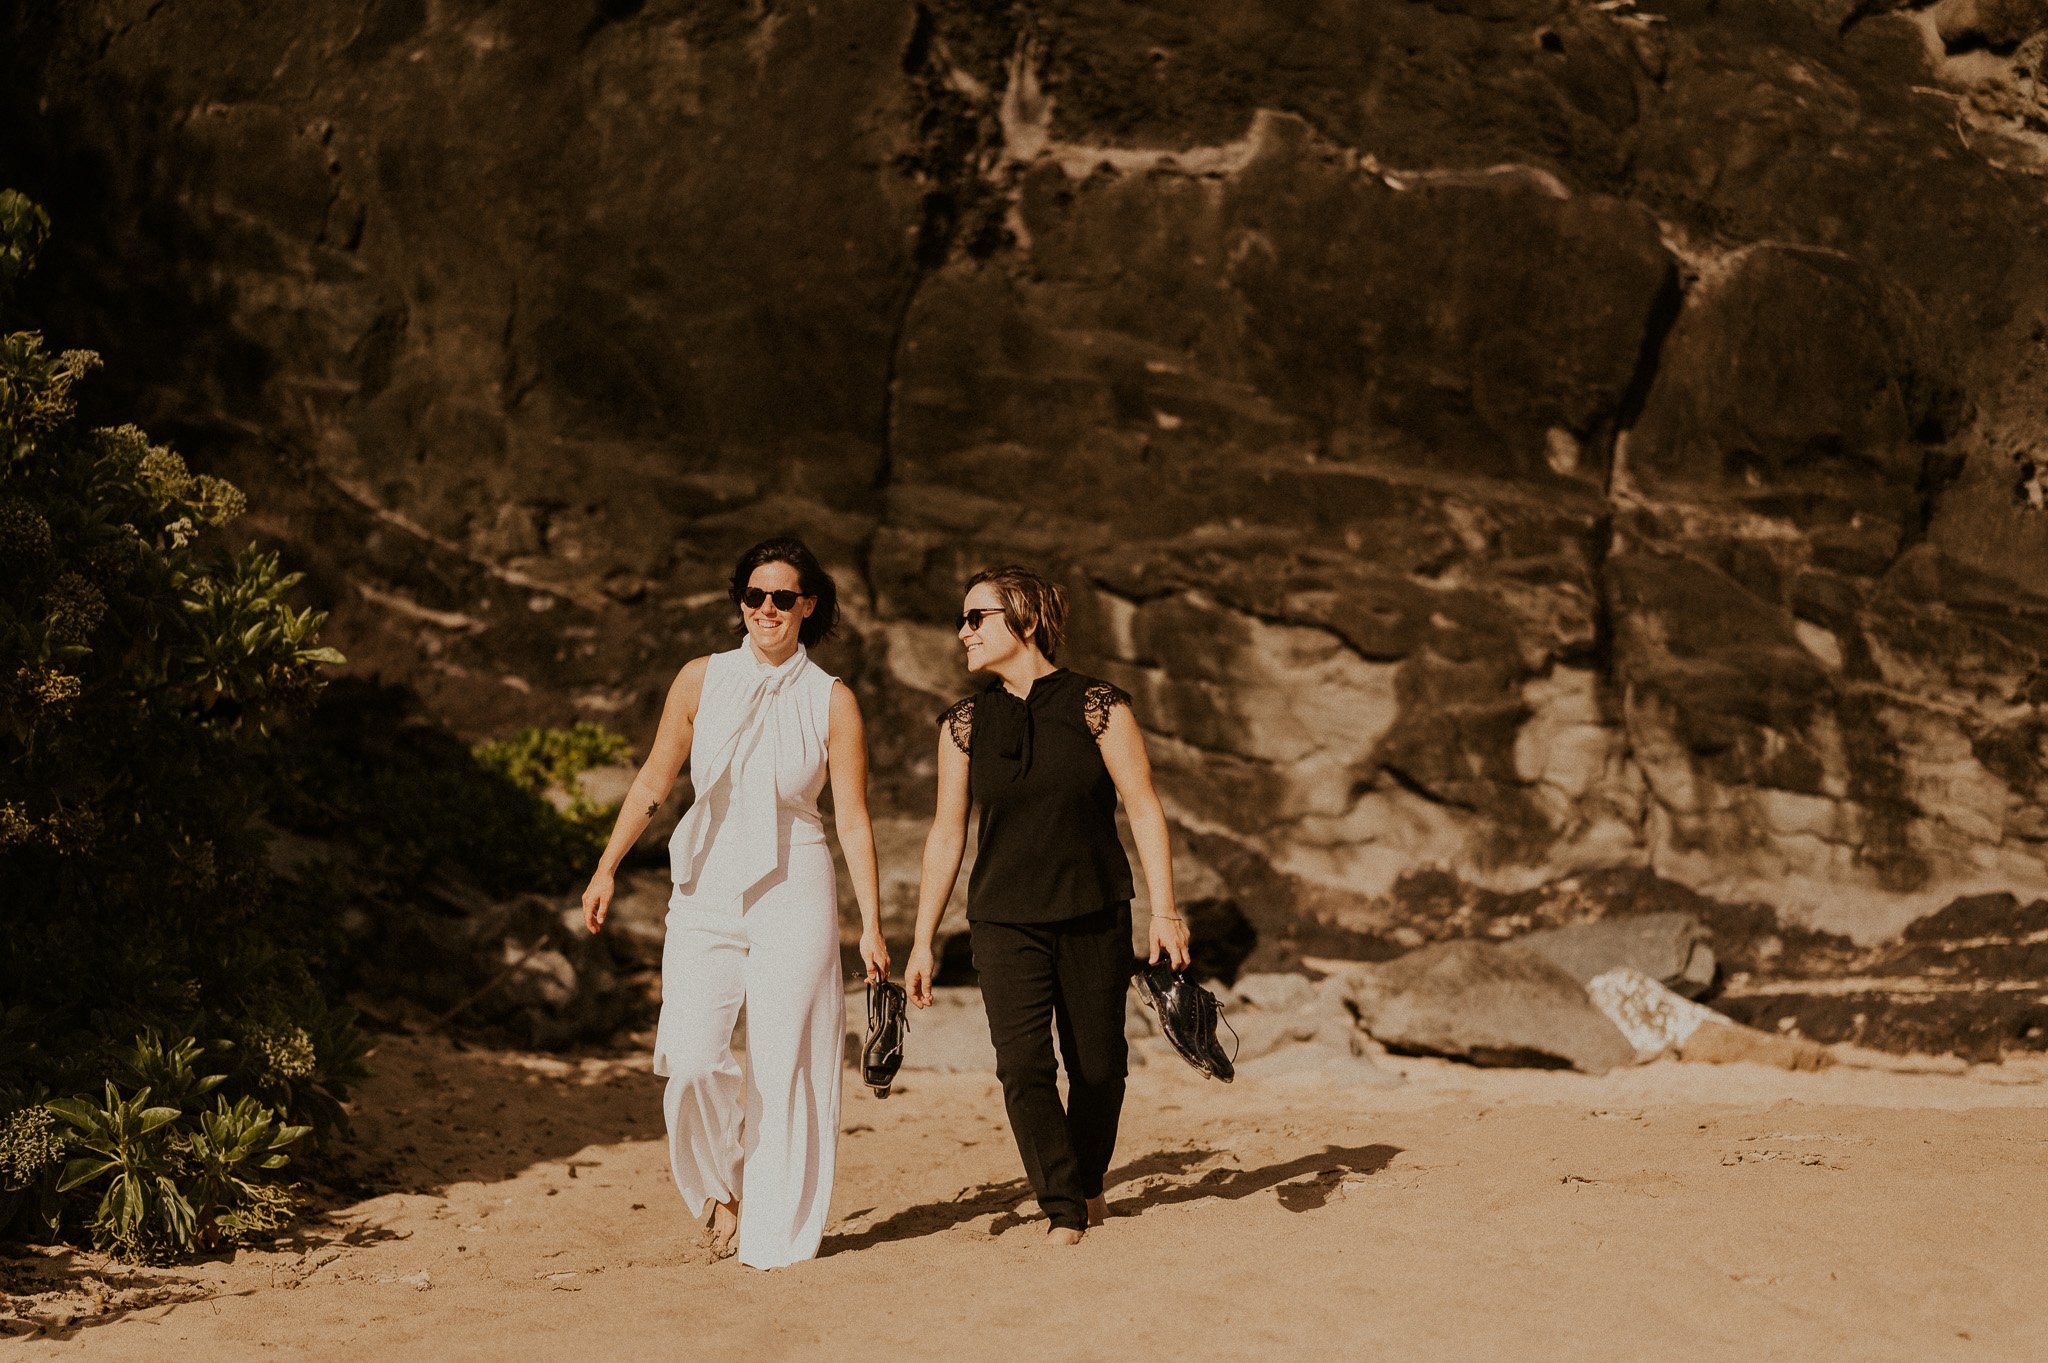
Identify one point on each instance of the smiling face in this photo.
(993, 644)
(773, 629)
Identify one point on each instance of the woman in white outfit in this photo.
(753, 916)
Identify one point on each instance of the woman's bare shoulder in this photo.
(689, 683)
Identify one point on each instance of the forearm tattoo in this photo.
(652, 807)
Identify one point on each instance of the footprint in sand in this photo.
(1806, 1159)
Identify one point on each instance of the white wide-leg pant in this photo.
(768, 1135)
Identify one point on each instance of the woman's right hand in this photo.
(597, 900)
(874, 954)
(917, 976)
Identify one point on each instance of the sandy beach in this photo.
(1663, 1212)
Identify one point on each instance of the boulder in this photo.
(1221, 937)
(524, 964)
(1274, 993)
(562, 992)
(1670, 948)
(1260, 1034)
(1326, 1063)
(1727, 1044)
(1963, 24)
(542, 979)
(1486, 1003)
(1289, 1024)
(636, 924)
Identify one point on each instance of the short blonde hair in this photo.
(1034, 606)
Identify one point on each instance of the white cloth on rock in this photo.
(1653, 1018)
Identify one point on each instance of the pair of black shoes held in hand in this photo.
(888, 1023)
(1188, 1015)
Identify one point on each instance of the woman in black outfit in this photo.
(1044, 754)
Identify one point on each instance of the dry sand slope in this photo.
(1671, 1211)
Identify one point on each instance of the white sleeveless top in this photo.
(757, 761)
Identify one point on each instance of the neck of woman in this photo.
(775, 658)
(1021, 672)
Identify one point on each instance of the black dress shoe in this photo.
(1188, 1014)
(888, 1024)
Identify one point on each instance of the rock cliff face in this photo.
(1523, 440)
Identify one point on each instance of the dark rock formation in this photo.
(1972, 979)
(1563, 449)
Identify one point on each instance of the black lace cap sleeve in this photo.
(1096, 703)
(959, 721)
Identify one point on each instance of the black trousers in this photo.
(1070, 975)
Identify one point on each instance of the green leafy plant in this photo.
(233, 1145)
(340, 1052)
(31, 1141)
(411, 800)
(172, 1071)
(551, 761)
(305, 1065)
(32, 1146)
(142, 1214)
(23, 229)
(147, 664)
(170, 1182)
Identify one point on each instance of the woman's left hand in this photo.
(874, 953)
(1170, 937)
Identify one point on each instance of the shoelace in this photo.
(1224, 1018)
(1212, 1011)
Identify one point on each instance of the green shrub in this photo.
(171, 1180)
(231, 1150)
(550, 761)
(142, 1215)
(305, 1065)
(174, 1073)
(410, 801)
(143, 660)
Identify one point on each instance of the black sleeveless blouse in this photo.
(1047, 846)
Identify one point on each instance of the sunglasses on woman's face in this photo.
(971, 620)
(752, 598)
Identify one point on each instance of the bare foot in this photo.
(725, 1228)
(1063, 1235)
(1098, 1210)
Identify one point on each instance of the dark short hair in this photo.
(1033, 604)
(811, 577)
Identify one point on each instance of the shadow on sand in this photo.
(1305, 1183)
(432, 1114)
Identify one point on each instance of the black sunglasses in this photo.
(972, 619)
(752, 598)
